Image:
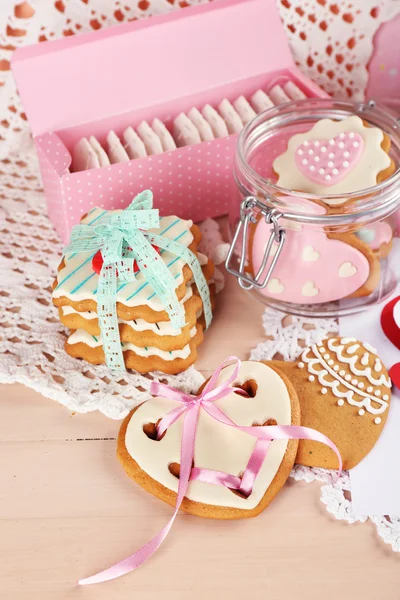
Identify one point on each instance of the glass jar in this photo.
(307, 254)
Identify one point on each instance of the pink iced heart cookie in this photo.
(328, 161)
(312, 267)
(333, 159)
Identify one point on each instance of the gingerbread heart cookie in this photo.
(154, 463)
(344, 392)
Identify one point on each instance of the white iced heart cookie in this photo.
(154, 464)
(344, 392)
(335, 157)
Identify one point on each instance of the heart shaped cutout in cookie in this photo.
(328, 161)
(269, 398)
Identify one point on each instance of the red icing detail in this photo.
(395, 375)
(97, 261)
(389, 325)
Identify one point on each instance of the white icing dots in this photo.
(378, 366)
(340, 402)
(351, 134)
(300, 152)
(301, 365)
(311, 152)
(311, 378)
(316, 158)
(361, 385)
(377, 393)
(327, 356)
(342, 373)
(336, 368)
(385, 397)
(348, 377)
(355, 144)
(312, 168)
(335, 171)
(346, 163)
(346, 154)
(321, 171)
(324, 391)
(354, 381)
(304, 161)
(341, 144)
(361, 412)
(323, 149)
(331, 155)
(331, 362)
(370, 389)
(331, 142)
(378, 420)
(328, 177)
(322, 349)
(330, 164)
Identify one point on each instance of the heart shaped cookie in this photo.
(328, 161)
(154, 464)
(344, 392)
(335, 158)
(308, 255)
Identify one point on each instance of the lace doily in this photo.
(332, 42)
(285, 339)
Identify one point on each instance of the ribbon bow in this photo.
(124, 238)
(190, 409)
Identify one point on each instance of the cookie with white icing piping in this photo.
(154, 465)
(81, 344)
(344, 392)
(335, 157)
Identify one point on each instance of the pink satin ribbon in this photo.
(190, 410)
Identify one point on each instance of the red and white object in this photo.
(194, 181)
(390, 321)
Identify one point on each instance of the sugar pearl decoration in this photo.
(341, 145)
(331, 155)
(321, 171)
(346, 154)
(324, 391)
(340, 402)
(301, 365)
(316, 143)
(323, 149)
(311, 152)
(311, 378)
(377, 420)
(346, 163)
(351, 134)
(300, 152)
(361, 412)
(312, 168)
(304, 161)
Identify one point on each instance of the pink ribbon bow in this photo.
(190, 409)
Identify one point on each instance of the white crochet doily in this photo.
(31, 337)
(286, 337)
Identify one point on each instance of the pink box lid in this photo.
(89, 77)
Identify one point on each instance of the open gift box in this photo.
(111, 79)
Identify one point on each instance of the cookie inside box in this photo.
(189, 121)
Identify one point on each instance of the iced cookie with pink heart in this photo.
(335, 157)
(314, 266)
(344, 392)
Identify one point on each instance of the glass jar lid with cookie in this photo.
(314, 223)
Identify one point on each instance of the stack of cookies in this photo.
(148, 340)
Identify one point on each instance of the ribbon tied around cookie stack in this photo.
(124, 238)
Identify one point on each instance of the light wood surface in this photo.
(67, 510)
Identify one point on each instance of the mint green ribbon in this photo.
(123, 238)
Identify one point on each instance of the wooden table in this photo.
(67, 510)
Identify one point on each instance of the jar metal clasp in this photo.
(250, 211)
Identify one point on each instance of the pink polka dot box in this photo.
(154, 104)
